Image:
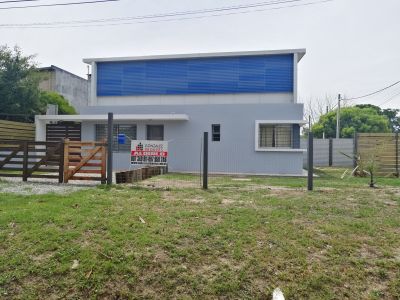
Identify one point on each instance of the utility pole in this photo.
(338, 118)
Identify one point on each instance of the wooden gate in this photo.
(85, 158)
(29, 159)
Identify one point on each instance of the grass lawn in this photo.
(168, 239)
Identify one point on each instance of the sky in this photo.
(353, 46)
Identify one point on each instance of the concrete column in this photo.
(40, 129)
(93, 85)
(295, 61)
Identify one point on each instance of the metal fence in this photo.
(331, 152)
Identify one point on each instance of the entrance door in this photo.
(63, 130)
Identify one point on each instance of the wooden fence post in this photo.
(66, 160)
(61, 163)
(104, 163)
(355, 150)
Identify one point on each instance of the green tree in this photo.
(19, 83)
(390, 113)
(53, 98)
(352, 119)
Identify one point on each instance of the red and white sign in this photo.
(146, 152)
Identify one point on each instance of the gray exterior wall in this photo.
(321, 152)
(235, 153)
(74, 88)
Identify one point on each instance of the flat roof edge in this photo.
(300, 51)
(117, 117)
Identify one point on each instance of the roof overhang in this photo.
(283, 122)
(300, 53)
(117, 117)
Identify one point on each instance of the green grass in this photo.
(240, 239)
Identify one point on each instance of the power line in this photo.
(171, 14)
(57, 4)
(373, 93)
(47, 25)
(390, 99)
(17, 1)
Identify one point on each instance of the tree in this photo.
(19, 83)
(64, 108)
(390, 113)
(352, 119)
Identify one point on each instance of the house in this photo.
(73, 88)
(247, 101)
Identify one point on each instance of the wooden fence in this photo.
(63, 160)
(382, 149)
(28, 159)
(10, 130)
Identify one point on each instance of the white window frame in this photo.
(274, 122)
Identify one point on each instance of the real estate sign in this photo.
(144, 152)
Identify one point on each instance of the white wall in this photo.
(197, 99)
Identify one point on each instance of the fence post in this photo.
(104, 163)
(397, 154)
(355, 150)
(61, 164)
(310, 153)
(66, 161)
(109, 148)
(25, 162)
(330, 152)
(205, 161)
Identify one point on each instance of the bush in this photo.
(64, 108)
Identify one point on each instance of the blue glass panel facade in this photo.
(221, 75)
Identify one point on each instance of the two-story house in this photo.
(247, 101)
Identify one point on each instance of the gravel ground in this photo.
(42, 186)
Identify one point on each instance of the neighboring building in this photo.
(74, 88)
(246, 100)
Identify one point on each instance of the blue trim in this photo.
(221, 75)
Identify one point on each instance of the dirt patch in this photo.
(42, 257)
(285, 192)
(170, 196)
(35, 187)
(368, 253)
(162, 183)
(212, 221)
(227, 201)
(160, 256)
(397, 255)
